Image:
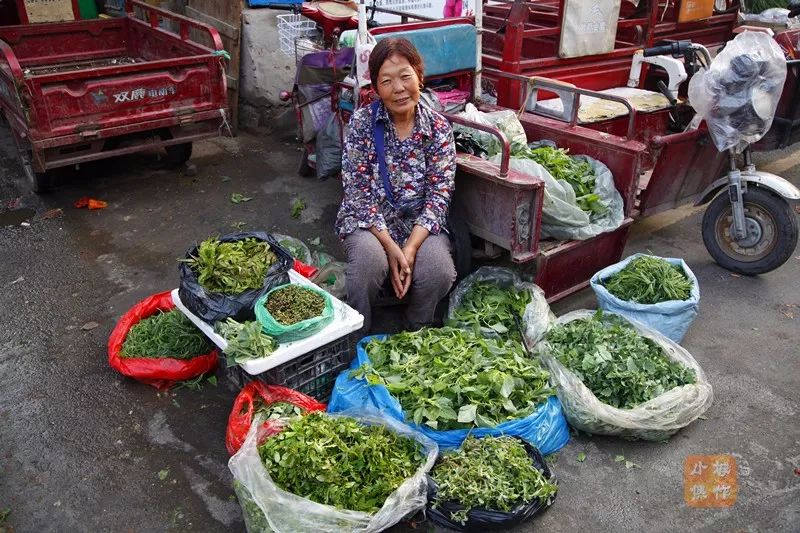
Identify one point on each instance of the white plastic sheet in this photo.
(283, 512)
(654, 420)
(739, 94)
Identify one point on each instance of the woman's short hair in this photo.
(388, 47)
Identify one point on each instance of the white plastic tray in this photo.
(346, 320)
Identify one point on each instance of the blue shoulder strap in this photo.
(380, 152)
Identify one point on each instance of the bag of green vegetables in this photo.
(292, 312)
(223, 277)
(616, 376)
(370, 480)
(492, 300)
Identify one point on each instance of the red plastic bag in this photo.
(305, 270)
(160, 373)
(243, 411)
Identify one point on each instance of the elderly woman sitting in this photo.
(398, 168)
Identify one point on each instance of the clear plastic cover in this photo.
(654, 420)
(537, 315)
(269, 508)
(738, 95)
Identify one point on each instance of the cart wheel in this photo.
(305, 170)
(462, 246)
(178, 154)
(771, 232)
(40, 182)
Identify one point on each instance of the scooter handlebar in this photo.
(673, 49)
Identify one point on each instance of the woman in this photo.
(398, 168)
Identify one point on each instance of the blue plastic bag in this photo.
(672, 319)
(546, 428)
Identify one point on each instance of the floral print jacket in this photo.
(421, 172)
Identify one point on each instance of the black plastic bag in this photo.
(486, 519)
(212, 306)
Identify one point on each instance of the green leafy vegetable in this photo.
(575, 171)
(489, 473)
(237, 198)
(338, 461)
(246, 341)
(492, 307)
(231, 267)
(295, 248)
(621, 368)
(293, 303)
(649, 280)
(298, 205)
(581, 457)
(276, 410)
(165, 334)
(196, 384)
(452, 379)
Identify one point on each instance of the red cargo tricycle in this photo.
(74, 92)
(654, 168)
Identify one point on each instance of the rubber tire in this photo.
(178, 154)
(786, 231)
(40, 182)
(304, 170)
(462, 246)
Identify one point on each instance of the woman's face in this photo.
(398, 85)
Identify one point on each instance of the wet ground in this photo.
(85, 449)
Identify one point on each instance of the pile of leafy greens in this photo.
(165, 334)
(231, 267)
(574, 170)
(450, 378)
(489, 306)
(495, 473)
(649, 280)
(621, 368)
(246, 341)
(338, 461)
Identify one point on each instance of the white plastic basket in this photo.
(292, 26)
(346, 321)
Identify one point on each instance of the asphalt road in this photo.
(85, 449)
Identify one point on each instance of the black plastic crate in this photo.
(313, 373)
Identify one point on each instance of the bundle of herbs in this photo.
(340, 462)
(246, 341)
(294, 303)
(621, 367)
(450, 378)
(493, 473)
(575, 171)
(488, 305)
(166, 334)
(231, 267)
(649, 280)
(276, 410)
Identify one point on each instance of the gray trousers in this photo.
(368, 269)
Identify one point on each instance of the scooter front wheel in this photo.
(771, 226)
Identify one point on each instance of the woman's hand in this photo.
(399, 269)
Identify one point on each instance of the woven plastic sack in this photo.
(545, 428)
(481, 519)
(536, 317)
(161, 373)
(281, 511)
(672, 319)
(298, 330)
(243, 411)
(654, 420)
(214, 306)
